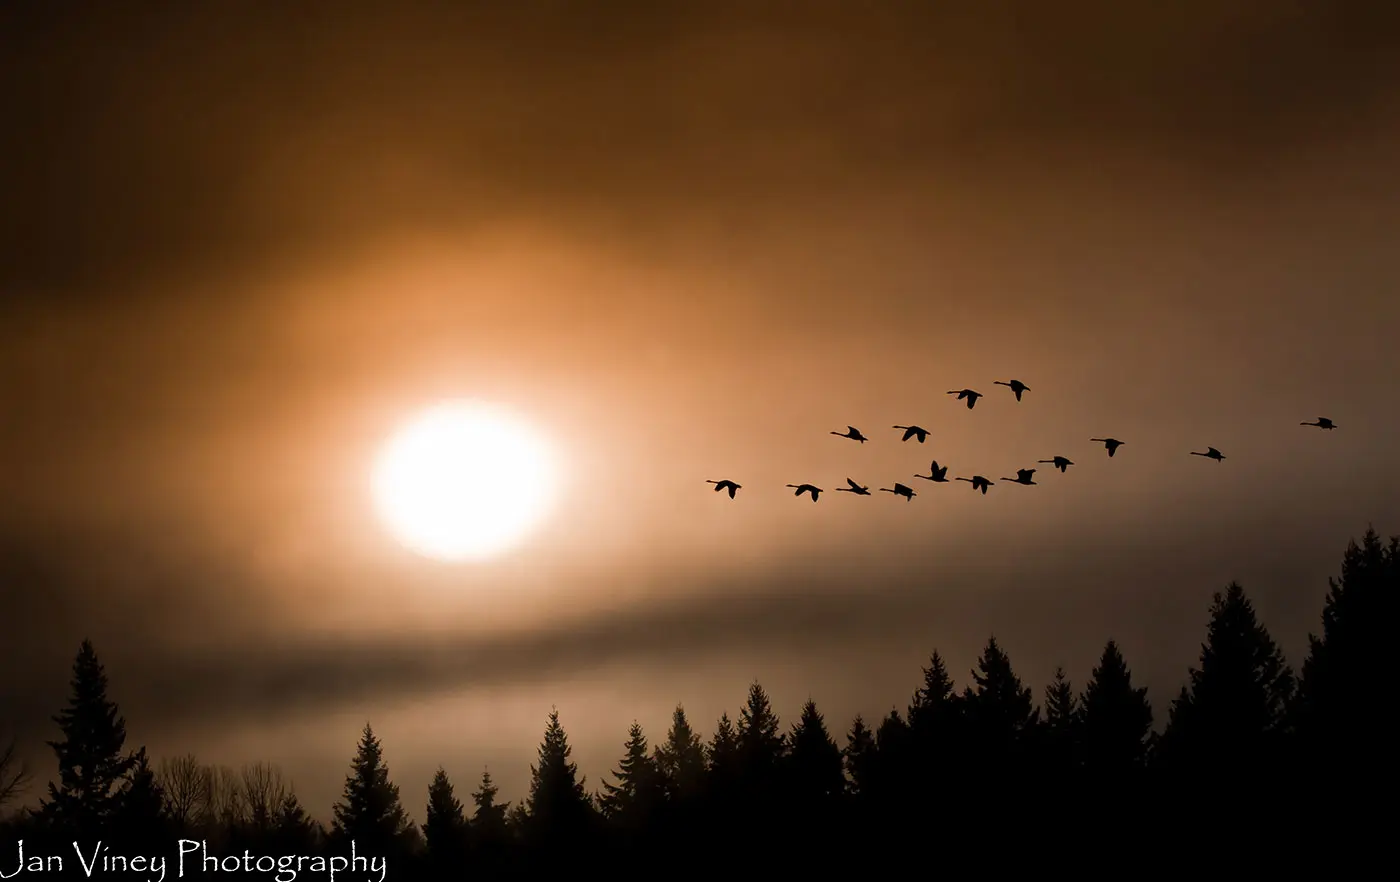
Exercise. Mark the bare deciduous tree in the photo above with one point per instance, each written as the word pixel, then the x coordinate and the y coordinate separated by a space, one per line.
pixel 186 786
pixel 14 774
pixel 225 804
pixel 263 790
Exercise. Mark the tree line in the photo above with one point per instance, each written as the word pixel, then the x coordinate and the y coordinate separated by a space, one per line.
pixel 1247 740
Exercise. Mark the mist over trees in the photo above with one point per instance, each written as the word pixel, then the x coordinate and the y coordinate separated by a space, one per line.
pixel 1249 743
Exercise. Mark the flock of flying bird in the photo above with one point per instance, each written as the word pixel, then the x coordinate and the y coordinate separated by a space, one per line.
pixel 939 474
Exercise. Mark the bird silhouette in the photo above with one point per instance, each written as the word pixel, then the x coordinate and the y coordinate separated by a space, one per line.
pixel 969 395
pixel 1059 462
pixel 1322 423
pixel 1016 386
pixel 853 433
pixel 935 474
pixel 854 488
pixel 807 488
pixel 978 483
pixel 914 432
pixel 1211 452
pixel 901 490
pixel 1111 443
pixel 726 485
pixel 1023 476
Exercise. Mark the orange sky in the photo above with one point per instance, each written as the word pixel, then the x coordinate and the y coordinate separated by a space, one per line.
pixel 239 247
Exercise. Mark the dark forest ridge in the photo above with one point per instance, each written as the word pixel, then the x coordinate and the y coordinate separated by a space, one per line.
pixel 1244 728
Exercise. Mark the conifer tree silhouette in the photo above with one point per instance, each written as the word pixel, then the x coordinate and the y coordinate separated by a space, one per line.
pixel 1063 741
pixel 640 790
pixel 815 761
pixel 858 756
pixel 141 819
pixel 814 783
pixel 723 750
pixel 1001 713
pixel 761 748
pixel 761 742
pixel 933 701
pixel 558 808
pixel 934 773
pixel 681 759
pixel 444 827
pixel 1117 719
pixel 1227 725
pixel 369 811
pixel 489 816
pixel 890 784
pixel 91 765
pixel 723 782
pixel 490 828
pixel 294 831
pixel 1341 724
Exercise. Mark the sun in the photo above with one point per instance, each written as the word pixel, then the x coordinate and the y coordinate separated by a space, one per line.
pixel 463 481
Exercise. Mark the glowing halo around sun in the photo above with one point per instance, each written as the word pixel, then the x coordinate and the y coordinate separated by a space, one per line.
pixel 464 481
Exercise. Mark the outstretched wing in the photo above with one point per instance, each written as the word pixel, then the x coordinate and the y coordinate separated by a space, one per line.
pixel 854 485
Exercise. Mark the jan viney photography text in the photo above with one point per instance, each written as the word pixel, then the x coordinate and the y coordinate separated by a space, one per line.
pixel 189 858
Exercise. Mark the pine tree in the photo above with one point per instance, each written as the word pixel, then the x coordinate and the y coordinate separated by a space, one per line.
pixel 815 761
pixel 761 742
pixel 91 765
pixel 858 755
pixel 369 811
pixel 444 824
pixel 1061 705
pixel 934 731
pixel 640 790
pixel 489 818
pixel 1343 725
pixel 1117 718
pixel 890 782
pixel 723 749
pixel 293 831
pixel 490 825
pixel 1063 724
pixel 681 760
pixel 934 701
pixel 558 806
pixel 1001 712
pixel 1229 722
pixel 141 812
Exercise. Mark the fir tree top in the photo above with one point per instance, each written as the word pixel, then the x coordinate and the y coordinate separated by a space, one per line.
pixel 370 811
pixel 91 765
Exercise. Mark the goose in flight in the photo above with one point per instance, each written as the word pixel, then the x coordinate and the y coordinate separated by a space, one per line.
pixel 1322 423
pixel 854 488
pixel 935 474
pixel 853 433
pixel 1112 444
pixel 978 483
pixel 969 395
pixel 807 488
pixel 1023 476
pixel 914 432
pixel 1210 452
pixel 1015 385
pixel 1059 462
pixel 901 490
pixel 727 485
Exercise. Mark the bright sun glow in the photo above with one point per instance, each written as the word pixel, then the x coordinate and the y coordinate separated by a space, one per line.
pixel 464 481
